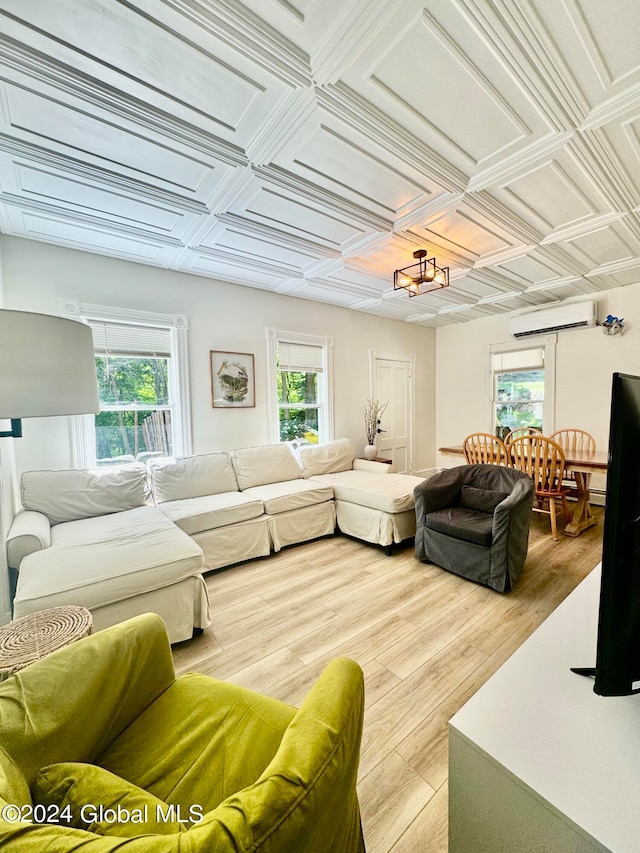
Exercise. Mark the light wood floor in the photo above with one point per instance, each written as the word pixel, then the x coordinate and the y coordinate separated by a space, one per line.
pixel 426 640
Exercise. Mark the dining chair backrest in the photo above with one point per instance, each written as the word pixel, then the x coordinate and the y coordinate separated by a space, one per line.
pixel 572 440
pixel 483 448
pixel 542 459
pixel 518 431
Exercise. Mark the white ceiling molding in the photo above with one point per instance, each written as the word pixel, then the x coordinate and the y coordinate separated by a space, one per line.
pixel 308 147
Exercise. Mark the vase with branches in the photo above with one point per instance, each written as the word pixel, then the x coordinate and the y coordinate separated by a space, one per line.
pixel 373 411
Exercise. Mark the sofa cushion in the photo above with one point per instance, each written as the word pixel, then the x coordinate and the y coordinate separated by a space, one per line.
pixel 257 466
pixel 482 500
pixel 87 793
pixel 194 515
pixel 328 458
pixel 191 477
pixel 71 495
pixel 97 561
pixel 462 523
pixel 292 494
pixel 385 492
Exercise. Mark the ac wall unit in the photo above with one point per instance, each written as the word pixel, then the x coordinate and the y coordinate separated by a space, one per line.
pixel 571 315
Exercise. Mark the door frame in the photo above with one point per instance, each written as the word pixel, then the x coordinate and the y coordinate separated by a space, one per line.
pixel 405 358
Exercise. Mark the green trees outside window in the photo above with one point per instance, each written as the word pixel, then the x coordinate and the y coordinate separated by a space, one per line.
pixel 298 405
pixel 135 416
pixel 519 399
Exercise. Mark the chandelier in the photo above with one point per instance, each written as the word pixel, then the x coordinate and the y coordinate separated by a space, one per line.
pixel 422 277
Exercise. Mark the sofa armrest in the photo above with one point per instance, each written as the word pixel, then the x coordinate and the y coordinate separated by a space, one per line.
pixel 522 494
pixel 70 705
pixel 305 799
pixel 29 532
pixel 373 467
pixel 512 514
pixel 437 492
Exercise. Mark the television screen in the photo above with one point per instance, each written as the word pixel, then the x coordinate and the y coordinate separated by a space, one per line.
pixel 617 671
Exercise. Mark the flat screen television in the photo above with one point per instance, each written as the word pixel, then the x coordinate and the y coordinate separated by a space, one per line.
pixel 617 669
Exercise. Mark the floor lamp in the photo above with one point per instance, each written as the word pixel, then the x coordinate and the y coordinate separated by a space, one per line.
pixel 47 368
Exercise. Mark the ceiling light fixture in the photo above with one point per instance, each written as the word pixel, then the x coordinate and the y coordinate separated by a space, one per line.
pixel 422 277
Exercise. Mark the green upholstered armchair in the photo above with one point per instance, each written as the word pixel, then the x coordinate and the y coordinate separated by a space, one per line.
pixel 101 737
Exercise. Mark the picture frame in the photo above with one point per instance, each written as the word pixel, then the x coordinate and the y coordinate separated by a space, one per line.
pixel 232 380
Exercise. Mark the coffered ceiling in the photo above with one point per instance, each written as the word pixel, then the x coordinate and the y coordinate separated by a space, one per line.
pixel 308 147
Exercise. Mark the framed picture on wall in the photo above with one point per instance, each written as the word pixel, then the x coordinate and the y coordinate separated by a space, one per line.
pixel 232 380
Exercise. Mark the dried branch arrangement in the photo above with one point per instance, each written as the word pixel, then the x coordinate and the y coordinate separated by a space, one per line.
pixel 373 411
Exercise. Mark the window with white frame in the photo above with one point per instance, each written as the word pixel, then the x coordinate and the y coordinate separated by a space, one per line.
pixel 522 386
pixel 300 387
pixel 141 372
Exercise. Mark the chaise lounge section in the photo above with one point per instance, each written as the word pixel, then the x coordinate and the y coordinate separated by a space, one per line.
pixel 373 502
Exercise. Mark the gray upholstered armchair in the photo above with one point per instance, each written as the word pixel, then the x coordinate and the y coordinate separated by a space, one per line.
pixel 474 520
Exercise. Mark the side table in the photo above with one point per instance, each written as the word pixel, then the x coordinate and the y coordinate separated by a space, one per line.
pixel 34 636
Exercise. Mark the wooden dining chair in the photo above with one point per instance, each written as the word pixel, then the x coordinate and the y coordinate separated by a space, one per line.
pixel 543 460
pixel 517 432
pixel 484 448
pixel 573 440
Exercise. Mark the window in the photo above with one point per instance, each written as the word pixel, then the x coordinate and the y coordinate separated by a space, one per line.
pixel 522 388
pixel 136 411
pixel 141 386
pixel 299 388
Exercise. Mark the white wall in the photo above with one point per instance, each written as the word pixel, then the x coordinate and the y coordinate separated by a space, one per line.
pixel 585 360
pixel 225 317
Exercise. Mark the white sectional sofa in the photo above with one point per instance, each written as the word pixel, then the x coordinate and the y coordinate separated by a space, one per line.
pixel 127 539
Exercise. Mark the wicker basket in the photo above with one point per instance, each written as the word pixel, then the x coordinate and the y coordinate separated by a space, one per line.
pixel 34 636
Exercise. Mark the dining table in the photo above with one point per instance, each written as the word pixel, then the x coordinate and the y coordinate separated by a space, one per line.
pixel 583 464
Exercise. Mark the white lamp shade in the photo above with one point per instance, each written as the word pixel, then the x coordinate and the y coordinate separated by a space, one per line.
pixel 47 366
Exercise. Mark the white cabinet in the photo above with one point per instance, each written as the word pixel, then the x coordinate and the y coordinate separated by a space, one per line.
pixel 538 762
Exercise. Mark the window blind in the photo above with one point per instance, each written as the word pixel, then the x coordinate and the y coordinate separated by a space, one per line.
pixel 529 359
pixel 299 358
pixel 125 339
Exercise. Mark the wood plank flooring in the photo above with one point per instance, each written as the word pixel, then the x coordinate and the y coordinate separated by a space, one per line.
pixel 426 640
